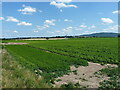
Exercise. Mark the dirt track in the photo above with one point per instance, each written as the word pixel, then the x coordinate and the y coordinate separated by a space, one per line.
pixel 12 43
pixel 45 39
pixel 85 75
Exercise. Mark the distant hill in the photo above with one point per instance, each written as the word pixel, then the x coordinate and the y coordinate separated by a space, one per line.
pixel 102 34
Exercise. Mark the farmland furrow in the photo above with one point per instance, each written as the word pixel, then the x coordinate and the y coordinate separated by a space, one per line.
pixel 51 51
pixel 86 56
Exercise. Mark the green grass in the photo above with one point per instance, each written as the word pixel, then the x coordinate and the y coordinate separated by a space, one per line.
pixel 45 61
pixel 49 63
pixel 54 57
pixel 16 76
pixel 72 86
pixel 98 50
pixel 114 78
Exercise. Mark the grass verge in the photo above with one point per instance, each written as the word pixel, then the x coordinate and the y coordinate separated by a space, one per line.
pixel 16 76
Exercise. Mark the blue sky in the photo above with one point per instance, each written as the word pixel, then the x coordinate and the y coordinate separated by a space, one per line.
pixel 55 18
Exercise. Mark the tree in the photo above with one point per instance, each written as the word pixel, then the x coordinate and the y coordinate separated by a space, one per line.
pixel 47 38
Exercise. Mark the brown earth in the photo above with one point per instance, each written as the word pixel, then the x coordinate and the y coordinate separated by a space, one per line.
pixel 11 43
pixel 45 39
pixel 85 75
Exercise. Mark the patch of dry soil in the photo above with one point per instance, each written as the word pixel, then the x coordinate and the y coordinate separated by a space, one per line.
pixel 45 39
pixel 85 75
pixel 12 43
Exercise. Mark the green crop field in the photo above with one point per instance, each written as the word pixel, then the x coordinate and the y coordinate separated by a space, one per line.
pixel 100 50
pixel 54 57
pixel 60 44
pixel 48 62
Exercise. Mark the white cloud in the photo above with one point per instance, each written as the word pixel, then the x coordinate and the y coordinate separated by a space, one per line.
pixel 68 30
pixel 35 31
pixel 106 20
pixel 24 24
pixel 83 26
pixel 61 10
pixel 27 10
pixel 50 32
pixel 12 19
pixel 62 5
pixel 70 27
pixel 88 32
pixel 1 18
pixel 67 20
pixel 15 31
pixel 78 28
pixel 91 27
pixel 42 27
pixel 49 22
pixel 40 11
pixel 46 26
pixel 111 28
pixel 64 1
pixel 58 31
pixel 116 12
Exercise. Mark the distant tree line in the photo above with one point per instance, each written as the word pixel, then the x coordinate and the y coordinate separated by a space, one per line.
pixel 47 38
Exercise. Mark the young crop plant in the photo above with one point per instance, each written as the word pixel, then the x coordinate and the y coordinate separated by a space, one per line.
pixel 113 82
pixel 98 50
pixel 51 65
pixel 54 57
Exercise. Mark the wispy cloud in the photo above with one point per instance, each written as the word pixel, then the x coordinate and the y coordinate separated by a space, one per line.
pixel 106 20
pixel 68 30
pixel 12 19
pixel 42 27
pixel 27 10
pixel 82 26
pixel 24 24
pixel 61 10
pixel 50 32
pixel 49 22
pixel 62 4
pixel 36 31
pixel 67 20
pixel 92 27
pixel 111 28
pixel 15 31
pixel 64 1
pixel 1 18
pixel 116 12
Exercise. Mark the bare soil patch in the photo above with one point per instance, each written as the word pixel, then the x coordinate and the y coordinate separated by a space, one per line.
pixel 45 39
pixel 11 43
pixel 84 75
